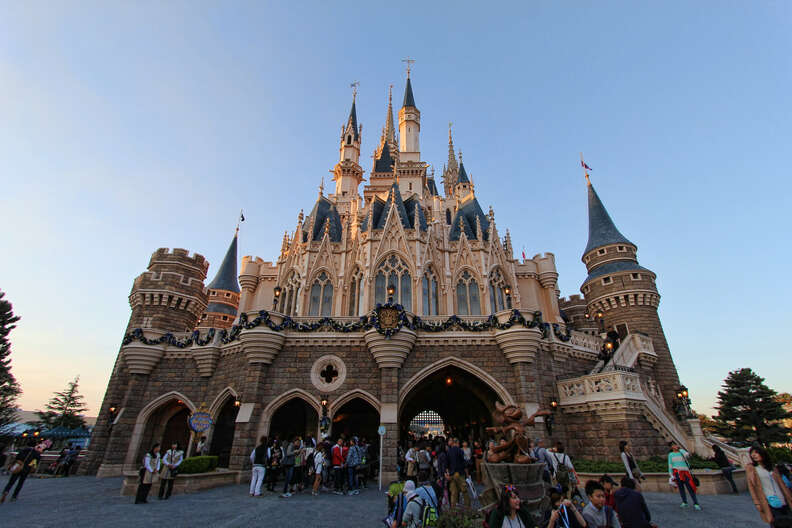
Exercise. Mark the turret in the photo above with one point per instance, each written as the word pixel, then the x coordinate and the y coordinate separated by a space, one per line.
pixel 223 292
pixel 409 126
pixel 169 296
pixel 450 171
pixel 622 295
pixel 347 173
pixel 463 186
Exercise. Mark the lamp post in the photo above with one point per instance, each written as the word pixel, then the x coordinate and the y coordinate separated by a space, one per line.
pixel 549 420
pixel 391 292
pixel 682 402
pixel 507 291
pixel 112 413
pixel 276 292
pixel 324 422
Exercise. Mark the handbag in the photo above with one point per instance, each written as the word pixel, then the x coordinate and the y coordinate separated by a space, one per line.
pixel 18 465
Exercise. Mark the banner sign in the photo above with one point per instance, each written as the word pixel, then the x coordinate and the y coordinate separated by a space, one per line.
pixel 200 421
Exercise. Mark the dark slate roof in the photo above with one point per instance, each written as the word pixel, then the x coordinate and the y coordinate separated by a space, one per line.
pixel 602 231
pixel 216 307
pixel 410 204
pixel 385 162
pixel 409 100
pixel 430 183
pixel 353 119
pixel 468 213
pixel 322 211
pixel 393 197
pixel 226 278
pixel 463 177
pixel 615 267
pixel 377 205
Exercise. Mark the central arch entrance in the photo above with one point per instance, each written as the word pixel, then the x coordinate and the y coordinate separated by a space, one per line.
pixel 294 418
pixel 461 400
pixel 223 435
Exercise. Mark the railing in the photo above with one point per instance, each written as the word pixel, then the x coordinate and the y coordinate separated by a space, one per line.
pixel 632 347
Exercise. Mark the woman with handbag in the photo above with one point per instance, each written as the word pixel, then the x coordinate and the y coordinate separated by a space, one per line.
pixel 25 462
pixel 149 474
pixel 679 470
pixel 770 496
pixel 412 463
pixel 170 468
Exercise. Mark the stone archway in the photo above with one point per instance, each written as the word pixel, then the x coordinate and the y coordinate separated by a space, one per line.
pixel 223 431
pixel 163 420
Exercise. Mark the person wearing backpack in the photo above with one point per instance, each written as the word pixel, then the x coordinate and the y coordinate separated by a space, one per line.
pixel 596 513
pixel 431 506
pixel 424 464
pixel 414 509
pixel 564 470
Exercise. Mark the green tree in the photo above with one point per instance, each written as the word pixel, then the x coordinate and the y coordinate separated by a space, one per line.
pixel 707 423
pixel 749 410
pixel 9 387
pixel 65 408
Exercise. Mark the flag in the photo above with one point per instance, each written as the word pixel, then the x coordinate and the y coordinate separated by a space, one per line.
pixel 523 252
pixel 241 216
pixel 583 164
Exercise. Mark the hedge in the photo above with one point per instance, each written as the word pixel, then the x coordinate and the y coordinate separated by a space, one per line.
pixel 198 464
pixel 781 454
pixel 655 464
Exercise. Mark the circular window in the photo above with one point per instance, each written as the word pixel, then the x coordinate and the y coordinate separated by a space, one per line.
pixel 328 373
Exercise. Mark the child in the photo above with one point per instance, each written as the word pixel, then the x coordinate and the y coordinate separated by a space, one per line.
pixel 596 513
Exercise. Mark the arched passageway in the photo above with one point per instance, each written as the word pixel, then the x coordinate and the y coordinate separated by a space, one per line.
pixel 294 418
pixel 166 425
pixel 358 418
pixel 223 434
pixel 463 402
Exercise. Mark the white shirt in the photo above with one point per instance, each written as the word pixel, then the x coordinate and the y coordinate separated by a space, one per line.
pixel 150 467
pixel 318 461
pixel 512 523
pixel 769 485
pixel 173 457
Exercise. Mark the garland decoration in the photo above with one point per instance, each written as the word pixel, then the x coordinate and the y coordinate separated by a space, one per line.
pixel 386 318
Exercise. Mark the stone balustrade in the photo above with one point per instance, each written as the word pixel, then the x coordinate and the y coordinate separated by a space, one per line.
pixel 608 385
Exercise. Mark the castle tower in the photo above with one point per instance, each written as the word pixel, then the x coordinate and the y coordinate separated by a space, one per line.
pixel 223 292
pixel 347 173
pixel 450 171
pixel 169 296
pixel 385 157
pixel 463 186
pixel 623 292
pixel 410 171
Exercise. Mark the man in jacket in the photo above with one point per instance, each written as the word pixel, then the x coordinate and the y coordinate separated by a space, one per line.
pixel 456 474
pixel 29 457
pixel 631 506
pixel 338 460
pixel 353 460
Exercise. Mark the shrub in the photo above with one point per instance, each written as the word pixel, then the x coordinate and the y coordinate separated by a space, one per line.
pixel 198 464
pixel 655 464
pixel 459 518
pixel 781 454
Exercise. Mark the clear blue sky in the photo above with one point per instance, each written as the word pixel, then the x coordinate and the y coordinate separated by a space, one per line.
pixel 129 126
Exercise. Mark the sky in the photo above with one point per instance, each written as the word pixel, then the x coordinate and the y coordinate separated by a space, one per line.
pixel 129 126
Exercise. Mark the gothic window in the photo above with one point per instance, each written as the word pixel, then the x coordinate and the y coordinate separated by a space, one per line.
pixel 321 296
pixel 448 216
pixel 467 295
pixel 499 301
pixel 356 293
pixel 393 272
pixel 291 291
pixel 429 283
pixel 349 140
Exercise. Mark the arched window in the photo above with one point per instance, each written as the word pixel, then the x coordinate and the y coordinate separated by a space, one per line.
pixel 321 296
pixel 467 295
pixel 393 272
pixel 448 216
pixel 499 301
pixel 291 291
pixel 356 293
pixel 429 283
pixel 349 140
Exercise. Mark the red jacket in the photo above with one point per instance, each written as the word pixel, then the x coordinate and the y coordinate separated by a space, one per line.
pixel 338 455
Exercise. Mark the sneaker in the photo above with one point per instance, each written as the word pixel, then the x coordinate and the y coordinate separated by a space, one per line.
pixel 286 495
pixel 683 505
pixel 3 498
pixel 697 507
pixel 313 493
pixel 338 492
pixel 356 492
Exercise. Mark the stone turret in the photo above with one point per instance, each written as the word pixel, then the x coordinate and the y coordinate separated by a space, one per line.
pixel 622 294
pixel 170 296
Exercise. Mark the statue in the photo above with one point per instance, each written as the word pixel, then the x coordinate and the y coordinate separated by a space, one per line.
pixel 515 446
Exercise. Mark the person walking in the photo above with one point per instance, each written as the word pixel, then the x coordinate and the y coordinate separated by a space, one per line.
pixel 424 460
pixel 170 468
pixel 258 457
pixel 338 461
pixel 25 461
pixel 353 461
pixel 288 465
pixel 542 455
pixel 149 474
pixel 274 458
pixel 510 512
pixel 679 470
pixel 564 470
pixel 318 468
pixel 725 466
pixel 630 464
pixel 597 513
pixel 770 496
pixel 631 506
pixel 456 474
pixel 412 463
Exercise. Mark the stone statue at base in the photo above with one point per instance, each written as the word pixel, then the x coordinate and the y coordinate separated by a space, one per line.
pixel 511 424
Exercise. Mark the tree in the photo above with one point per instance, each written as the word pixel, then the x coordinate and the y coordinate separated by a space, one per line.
pixel 707 423
pixel 749 410
pixel 9 387
pixel 64 409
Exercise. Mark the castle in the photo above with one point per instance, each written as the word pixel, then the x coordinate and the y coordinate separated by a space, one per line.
pixel 386 306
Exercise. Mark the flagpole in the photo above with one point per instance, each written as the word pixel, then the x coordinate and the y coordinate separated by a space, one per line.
pixel 583 166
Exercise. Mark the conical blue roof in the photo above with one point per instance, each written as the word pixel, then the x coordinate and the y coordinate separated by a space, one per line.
pixel 468 213
pixel 602 231
pixel 353 119
pixel 430 183
pixel 324 210
pixel 226 278
pixel 463 177
pixel 394 197
pixel 409 100
pixel 385 162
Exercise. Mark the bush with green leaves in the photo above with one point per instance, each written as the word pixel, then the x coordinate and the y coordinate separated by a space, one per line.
pixel 460 518
pixel 198 464
pixel 781 454
pixel 655 464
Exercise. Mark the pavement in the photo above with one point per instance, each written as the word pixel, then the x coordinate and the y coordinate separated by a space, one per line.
pixel 88 502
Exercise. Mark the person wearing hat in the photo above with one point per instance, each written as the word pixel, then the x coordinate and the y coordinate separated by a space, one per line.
pixel 414 509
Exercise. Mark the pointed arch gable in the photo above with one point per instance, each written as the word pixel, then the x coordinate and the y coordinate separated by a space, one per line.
pixel 351 395
pixel 220 400
pixel 142 419
pixel 452 361
pixel 272 407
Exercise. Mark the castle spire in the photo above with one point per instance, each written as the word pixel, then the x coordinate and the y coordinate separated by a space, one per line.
pixel 390 129
pixel 452 161
pixel 602 230
pixel 226 278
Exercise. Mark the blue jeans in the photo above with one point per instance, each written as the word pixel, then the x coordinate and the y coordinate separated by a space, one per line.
pixel 353 478
pixel 289 473
pixel 682 484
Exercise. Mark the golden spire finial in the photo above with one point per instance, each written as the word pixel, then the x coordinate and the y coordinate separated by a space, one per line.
pixel 321 188
pixel 354 86
pixel 409 62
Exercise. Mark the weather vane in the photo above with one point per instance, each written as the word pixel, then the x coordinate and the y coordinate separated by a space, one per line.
pixel 354 86
pixel 409 62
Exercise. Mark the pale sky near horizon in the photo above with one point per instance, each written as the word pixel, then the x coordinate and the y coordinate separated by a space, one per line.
pixel 128 126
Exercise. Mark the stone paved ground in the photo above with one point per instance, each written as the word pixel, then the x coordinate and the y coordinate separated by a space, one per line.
pixel 88 502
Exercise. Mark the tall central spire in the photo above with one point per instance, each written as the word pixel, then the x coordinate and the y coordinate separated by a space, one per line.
pixel 602 230
pixel 390 129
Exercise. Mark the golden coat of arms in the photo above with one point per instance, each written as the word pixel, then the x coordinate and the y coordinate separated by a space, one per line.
pixel 388 317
